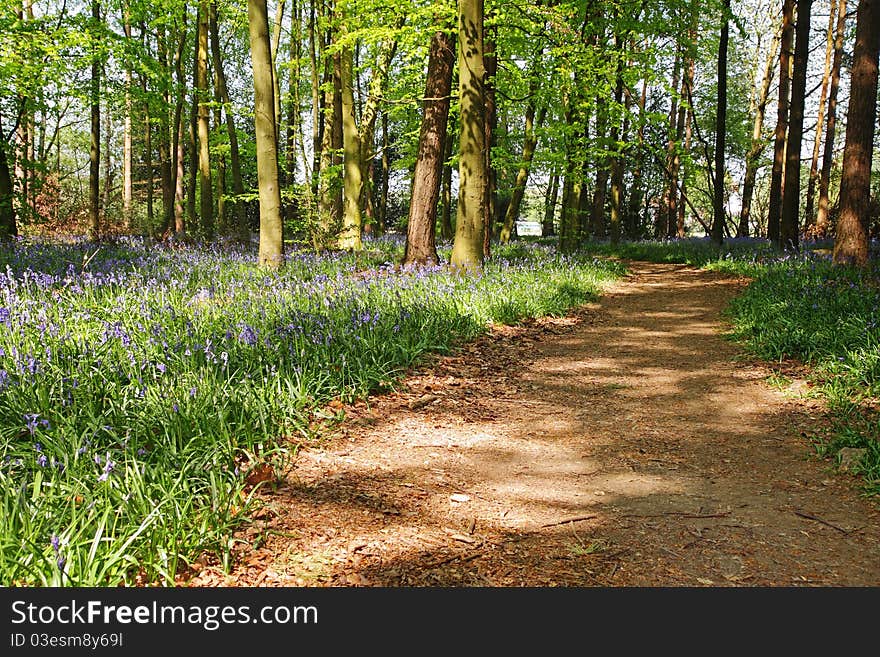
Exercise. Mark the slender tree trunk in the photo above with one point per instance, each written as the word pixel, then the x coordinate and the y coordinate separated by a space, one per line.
pixel 758 143
pixel 220 159
pixel 789 226
pixel 719 214
pixel 809 218
pixel 530 141
pixel 421 227
pixel 293 102
pixel 851 242
pixel 774 210
pixel 490 118
pixel 177 136
pixel 382 214
pixel 108 171
pixel 271 227
pixel 473 175
pixel 275 45
pixel 317 110
pixel 822 219
pixel 126 128
pixel 547 228
pixel 240 228
pixel 446 229
pixel 616 158
pixel 637 193
pixel 165 157
pixel 95 142
pixel 8 224
pixel 206 197
pixel 148 160
pixel 675 170
pixel 671 146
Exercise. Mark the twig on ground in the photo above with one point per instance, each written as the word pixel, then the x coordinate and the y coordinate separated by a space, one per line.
pixel 820 520
pixel 458 557
pixel 566 521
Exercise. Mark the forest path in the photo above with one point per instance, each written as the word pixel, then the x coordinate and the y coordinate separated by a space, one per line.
pixel 627 444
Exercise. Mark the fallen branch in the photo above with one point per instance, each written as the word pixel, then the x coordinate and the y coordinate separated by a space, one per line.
pixel 567 520
pixel 820 520
pixel 455 557
pixel 678 513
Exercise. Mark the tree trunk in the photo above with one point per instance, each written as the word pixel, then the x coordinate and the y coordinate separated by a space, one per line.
pixel 352 181
pixel 126 128
pixel 719 215
pixel 547 228
pixel 271 228
pixel 206 197
pixel 789 226
pixel 473 176
pixel 616 158
pixel 95 140
pixel 822 220
pixel 490 118
pixel 637 192
pixel 294 124
pixel 177 171
pixel 240 228
pixel 851 242
pixel 758 142
pixel 421 227
pixel 8 225
pixel 661 229
pixel 530 141
pixel 446 229
pixel 809 218
pixel 165 157
pixel 597 214
pixel 108 170
pixel 385 172
pixel 774 209
pixel 275 43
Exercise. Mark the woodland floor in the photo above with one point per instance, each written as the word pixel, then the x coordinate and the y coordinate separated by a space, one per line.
pixel 628 444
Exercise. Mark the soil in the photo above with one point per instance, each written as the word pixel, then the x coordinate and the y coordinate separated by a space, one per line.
pixel 627 444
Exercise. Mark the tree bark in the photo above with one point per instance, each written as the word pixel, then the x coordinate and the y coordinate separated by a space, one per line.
pixel 240 228
pixel 719 214
pixel 789 226
pixel 421 226
pixel 851 243
pixel 352 181
pixel 530 141
pixel 758 143
pixel 126 127
pixel 822 219
pixel 774 209
pixel 206 197
pixel 547 228
pixel 809 218
pixel 446 229
pixel 271 228
pixel 470 228
pixel 95 133
pixel 8 224
pixel 661 229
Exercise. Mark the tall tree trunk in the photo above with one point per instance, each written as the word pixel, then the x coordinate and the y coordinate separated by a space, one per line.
pixel 547 227
pixel 446 229
pixel 385 173
pixel 774 208
pixel 758 143
pixel 177 134
pixel 108 170
pixel 688 135
pixel 271 227
pixel 789 226
pixel 719 215
pixel 822 220
pixel 240 228
pixel 851 242
pixel 637 193
pixel 352 181
pixel 222 215
pixel 490 118
pixel 95 141
pixel 317 109
pixel 616 158
pixel 275 44
pixel 8 224
pixel 421 227
pixel 530 141
pixel 165 156
pixel 675 170
pixel 473 175
pixel 206 197
pixel 294 124
pixel 126 127
pixel 148 158
pixel 671 189
pixel 809 218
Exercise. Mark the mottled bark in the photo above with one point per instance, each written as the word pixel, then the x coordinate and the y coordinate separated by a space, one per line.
pixel 774 208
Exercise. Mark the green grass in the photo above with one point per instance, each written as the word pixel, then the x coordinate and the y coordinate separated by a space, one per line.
pixel 139 386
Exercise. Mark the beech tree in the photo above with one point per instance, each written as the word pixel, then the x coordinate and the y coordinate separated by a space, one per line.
pixel 851 242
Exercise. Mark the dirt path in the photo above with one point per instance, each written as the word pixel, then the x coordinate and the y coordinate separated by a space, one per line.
pixel 624 445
